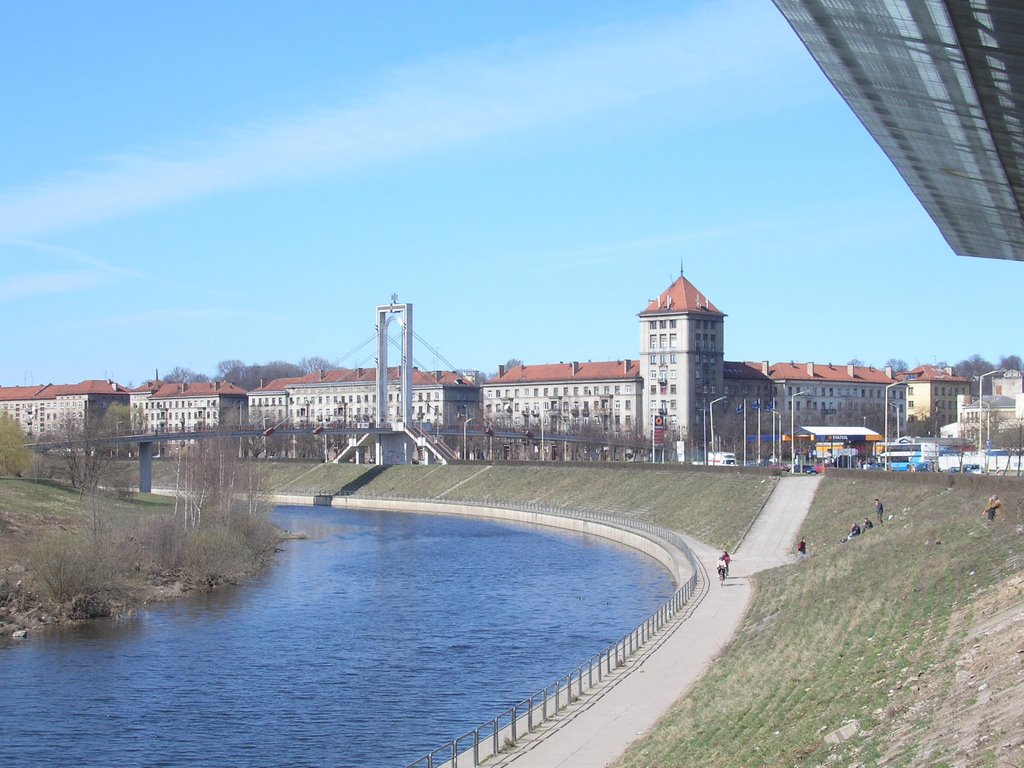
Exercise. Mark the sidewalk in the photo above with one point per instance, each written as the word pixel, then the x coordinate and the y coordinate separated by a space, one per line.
pixel 597 731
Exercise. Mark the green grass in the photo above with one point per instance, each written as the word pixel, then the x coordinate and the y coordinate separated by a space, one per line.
pixel 37 500
pixel 845 635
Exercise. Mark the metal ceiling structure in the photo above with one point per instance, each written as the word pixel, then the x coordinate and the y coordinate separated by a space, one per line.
pixel 939 84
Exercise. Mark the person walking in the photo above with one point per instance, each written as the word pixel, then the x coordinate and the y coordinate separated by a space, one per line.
pixel 879 509
pixel 801 548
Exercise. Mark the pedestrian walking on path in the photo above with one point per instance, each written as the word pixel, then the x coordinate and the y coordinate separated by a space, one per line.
pixel 599 733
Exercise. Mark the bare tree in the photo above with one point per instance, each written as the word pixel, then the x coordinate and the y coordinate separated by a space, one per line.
pixel 311 364
pixel 230 370
pixel 86 452
pixel 180 374
pixel 897 365
pixel 1011 363
pixel 973 366
pixel 212 483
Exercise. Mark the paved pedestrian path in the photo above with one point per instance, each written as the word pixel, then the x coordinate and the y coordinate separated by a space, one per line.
pixel 597 731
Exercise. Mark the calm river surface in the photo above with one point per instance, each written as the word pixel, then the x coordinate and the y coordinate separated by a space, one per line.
pixel 379 638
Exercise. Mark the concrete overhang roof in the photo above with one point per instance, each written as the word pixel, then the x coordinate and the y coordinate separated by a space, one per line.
pixel 939 84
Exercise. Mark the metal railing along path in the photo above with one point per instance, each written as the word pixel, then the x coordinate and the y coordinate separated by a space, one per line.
pixel 504 731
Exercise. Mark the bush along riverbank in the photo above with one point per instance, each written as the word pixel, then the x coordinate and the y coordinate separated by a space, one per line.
pixel 68 555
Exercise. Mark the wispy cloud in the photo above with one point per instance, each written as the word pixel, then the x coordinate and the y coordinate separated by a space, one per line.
pixel 46 284
pixel 178 317
pixel 440 103
pixel 34 284
pixel 674 243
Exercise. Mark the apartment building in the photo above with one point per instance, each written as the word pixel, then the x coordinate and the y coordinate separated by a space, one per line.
pixel 575 396
pixel 932 394
pixel 41 410
pixel 682 343
pixel 350 396
pixel 826 394
pixel 188 407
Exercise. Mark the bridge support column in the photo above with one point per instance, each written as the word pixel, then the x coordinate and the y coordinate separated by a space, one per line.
pixel 146 467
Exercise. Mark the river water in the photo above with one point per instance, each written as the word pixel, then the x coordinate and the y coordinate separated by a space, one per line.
pixel 380 637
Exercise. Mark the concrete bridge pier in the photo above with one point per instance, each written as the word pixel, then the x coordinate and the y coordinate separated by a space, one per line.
pixel 146 467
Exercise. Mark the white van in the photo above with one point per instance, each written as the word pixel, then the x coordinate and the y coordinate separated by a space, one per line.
pixel 721 459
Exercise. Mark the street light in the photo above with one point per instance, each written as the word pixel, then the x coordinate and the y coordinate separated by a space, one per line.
pixel 981 402
pixel 886 444
pixel 792 429
pixel 711 409
pixel 539 413
pixel 465 456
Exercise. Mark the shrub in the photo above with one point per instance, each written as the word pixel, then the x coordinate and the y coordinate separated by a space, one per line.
pixel 213 555
pixel 81 574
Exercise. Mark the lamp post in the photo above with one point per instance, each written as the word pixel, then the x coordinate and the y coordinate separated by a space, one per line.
pixel 539 413
pixel 886 443
pixel 792 429
pixel 981 402
pixel 465 456
pixel 711 409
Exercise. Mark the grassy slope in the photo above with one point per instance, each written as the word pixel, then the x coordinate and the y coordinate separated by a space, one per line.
pixel 859 631
pixel 30 509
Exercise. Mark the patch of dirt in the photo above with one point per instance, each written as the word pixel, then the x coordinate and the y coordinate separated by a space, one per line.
pixel 971 712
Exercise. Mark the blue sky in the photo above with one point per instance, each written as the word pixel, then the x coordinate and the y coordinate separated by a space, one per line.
pixel 192 182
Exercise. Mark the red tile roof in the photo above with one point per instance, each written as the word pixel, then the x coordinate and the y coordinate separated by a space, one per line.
pixel 365 376
pixel 820 372
pixel 681 296
pixel 87 387
pixel 931 373
pixel 19 393
pixel 149 386
pixel 612 369
pixel 199 389
pixel 51 391
pixel 742 370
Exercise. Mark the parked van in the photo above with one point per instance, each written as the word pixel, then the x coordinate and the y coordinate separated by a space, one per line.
pixel 721 459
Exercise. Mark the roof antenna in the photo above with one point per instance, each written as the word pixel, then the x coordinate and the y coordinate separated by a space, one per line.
pixel 680 266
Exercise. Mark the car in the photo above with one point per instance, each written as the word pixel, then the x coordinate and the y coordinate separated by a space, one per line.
pixel 808 469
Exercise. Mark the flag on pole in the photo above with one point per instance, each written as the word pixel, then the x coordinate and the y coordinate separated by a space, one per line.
pixel 756 405
pixel 739 409
pixel 770 406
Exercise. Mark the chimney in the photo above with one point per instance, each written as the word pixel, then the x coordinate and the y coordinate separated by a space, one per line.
pixel 765 368
pixel 849 370
pixel 948 369
pixel 625 367
pixel 501 371
pixel 810 369
pixel 575 368
pixel 888 371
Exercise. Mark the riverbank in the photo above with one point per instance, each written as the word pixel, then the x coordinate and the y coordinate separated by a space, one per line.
pixel 67 557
